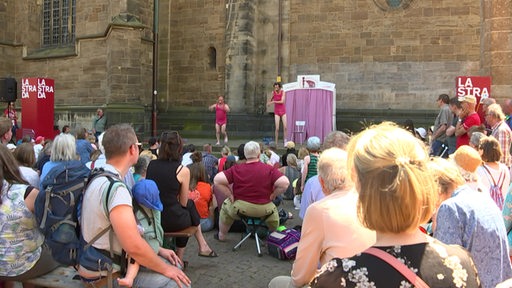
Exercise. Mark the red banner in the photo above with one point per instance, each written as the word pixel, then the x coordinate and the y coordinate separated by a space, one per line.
pixel 478 86
pixel 37 100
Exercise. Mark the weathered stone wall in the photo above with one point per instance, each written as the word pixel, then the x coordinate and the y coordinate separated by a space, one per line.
pixel 110 65
pixel 188 77
pixel 391 61
pixel 385 60
pixel 7 38
pixel 497 45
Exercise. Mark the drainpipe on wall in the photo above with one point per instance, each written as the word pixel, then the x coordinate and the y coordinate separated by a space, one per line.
pixel 279 40
pixel 155 69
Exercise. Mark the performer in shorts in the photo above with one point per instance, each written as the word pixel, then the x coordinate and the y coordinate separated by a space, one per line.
pixel 221 119
pixel 278 99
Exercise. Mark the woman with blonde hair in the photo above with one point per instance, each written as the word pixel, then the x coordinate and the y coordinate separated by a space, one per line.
pixel 224 152
pixel 396 195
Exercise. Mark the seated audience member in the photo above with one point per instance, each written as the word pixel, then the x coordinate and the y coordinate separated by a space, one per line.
pixel 421 134
pixel 396 195
pixel 492 172
pixel 92 139
pixel 44 156
pixel 224 153
pixel 140 168
pixel 291 171
pixel 38 147
pixel 200 191
pixel 101 160
pixel 154 144
pixel 230 162
pixel 273 158
pixel 264 153
pixel 474 140
pixel 468 160
pixel 63 150
pixel 219 195
pixel 331 228
pixel 312 189
pixel 5 131
pixel 22 253
pixel 409 126
pixel 187 152
pixel 24 154
pixel 309 165
pixel 173 181
pixel 146 194
pixel 255 185
pixel 240 153
pixel 290 149
pixel 122 152
pixel 83 146
pixel 210 162
pixel 471 219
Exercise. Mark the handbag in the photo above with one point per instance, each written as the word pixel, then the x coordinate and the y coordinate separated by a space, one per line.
pixel 399 266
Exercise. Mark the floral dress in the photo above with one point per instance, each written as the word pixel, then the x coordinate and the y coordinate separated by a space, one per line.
pixel 20 240
pixel 438 264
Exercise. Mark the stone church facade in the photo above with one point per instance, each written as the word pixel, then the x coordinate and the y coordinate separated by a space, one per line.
pixel 389 59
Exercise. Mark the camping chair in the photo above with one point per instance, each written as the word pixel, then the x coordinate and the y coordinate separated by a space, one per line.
pixel 254 226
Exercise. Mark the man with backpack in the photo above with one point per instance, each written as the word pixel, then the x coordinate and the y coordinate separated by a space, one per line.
pixel 107 205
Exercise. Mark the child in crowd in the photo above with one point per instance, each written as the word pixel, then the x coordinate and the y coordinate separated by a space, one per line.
pixel 146 194
pixel 200 191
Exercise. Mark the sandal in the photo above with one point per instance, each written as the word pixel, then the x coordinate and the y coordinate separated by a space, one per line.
pixel 210 254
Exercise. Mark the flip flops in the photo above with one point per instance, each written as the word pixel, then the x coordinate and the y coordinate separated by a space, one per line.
pixel 210 254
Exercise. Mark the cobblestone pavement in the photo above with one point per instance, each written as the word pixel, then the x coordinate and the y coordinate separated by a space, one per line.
pixel 240 268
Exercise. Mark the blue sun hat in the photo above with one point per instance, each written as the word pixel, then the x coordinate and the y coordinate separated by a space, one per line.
pixel 146 193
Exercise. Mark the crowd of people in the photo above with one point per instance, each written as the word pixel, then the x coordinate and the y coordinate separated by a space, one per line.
pixel 383 207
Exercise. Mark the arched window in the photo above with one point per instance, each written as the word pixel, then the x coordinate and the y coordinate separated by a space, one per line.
pixel 58 23
pixel 212 58
pixel 389 5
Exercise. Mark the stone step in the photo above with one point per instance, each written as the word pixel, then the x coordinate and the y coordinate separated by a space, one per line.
pixel 200 124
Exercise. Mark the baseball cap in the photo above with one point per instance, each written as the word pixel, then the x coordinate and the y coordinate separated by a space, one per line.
pixel 146 193
pixel 468 98
pixel 39 139
pixel 421 131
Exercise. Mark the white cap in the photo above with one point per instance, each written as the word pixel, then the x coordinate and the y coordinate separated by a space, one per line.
pixel 421 131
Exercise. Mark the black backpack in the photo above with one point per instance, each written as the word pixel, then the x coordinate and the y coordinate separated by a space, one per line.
pixel 57 209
